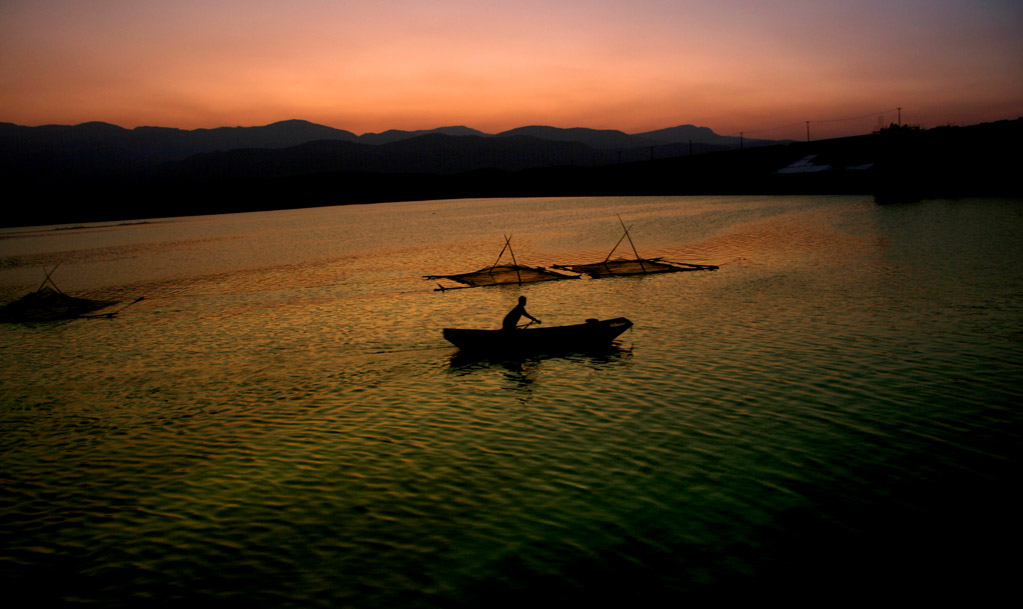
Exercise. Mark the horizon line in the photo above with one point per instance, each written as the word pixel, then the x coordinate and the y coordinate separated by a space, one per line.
pixel 736 134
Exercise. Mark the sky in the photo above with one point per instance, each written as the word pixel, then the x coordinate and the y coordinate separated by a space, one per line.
pixel 757 67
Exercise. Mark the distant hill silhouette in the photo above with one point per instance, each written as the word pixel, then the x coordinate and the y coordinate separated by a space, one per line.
pixel 116 146
pixel 97 171
pixel 395 135
pixel 607 139
pixel 703 135
pixel 161 143
pixel 600 139
pixel 50 154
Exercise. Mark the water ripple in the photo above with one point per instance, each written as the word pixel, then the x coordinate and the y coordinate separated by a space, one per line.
pixel 291 429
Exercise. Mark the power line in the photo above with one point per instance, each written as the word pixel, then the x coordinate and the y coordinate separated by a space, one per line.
pixel 807 123
pixel 855 118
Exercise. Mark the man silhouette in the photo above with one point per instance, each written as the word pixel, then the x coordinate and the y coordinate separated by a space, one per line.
pixel 512 318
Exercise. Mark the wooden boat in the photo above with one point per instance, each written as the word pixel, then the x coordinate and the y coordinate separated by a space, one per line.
pixel 593 334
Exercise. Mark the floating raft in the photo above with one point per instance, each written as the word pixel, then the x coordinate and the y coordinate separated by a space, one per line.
pixel 636 266
pixel 51 304
pixel 639 266
pixel 501 274
pixel 47 304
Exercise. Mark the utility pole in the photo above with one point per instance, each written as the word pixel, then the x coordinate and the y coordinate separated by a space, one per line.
pixel 900 116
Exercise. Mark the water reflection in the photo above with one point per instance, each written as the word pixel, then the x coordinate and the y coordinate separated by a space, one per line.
pixel 463 362
pixel 520 373
pixel 806 412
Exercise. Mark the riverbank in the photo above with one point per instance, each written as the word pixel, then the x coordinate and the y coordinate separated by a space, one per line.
pixel 896 164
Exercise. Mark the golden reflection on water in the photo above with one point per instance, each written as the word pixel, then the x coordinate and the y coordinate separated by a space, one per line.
pixel 281 421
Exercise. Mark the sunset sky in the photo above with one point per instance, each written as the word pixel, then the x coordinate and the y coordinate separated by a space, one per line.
pixel 757 66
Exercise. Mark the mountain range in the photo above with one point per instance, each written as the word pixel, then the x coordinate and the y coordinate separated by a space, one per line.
pixel 98 171
pixel 73 151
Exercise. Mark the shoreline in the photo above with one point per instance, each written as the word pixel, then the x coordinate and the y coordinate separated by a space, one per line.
pixel 894 165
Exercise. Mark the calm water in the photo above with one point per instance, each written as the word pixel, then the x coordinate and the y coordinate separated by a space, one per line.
pixel 279 423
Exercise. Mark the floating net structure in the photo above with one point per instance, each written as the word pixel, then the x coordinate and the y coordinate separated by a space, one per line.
pixel 636 266
pixel 49 303
pixel 501 274
pixel 516 274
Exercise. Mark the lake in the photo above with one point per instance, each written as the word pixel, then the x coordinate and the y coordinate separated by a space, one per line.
pixel 834 413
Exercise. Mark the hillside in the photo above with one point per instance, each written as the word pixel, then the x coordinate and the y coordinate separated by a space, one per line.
pixel 56 151
pixel 103 172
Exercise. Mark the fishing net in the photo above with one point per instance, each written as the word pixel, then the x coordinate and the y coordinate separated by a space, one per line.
pixel 639 266
pixel 47 304
pixel 504 274
pixel 635 266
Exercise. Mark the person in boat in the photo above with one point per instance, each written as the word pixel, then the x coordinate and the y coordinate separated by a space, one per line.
pixel 511 320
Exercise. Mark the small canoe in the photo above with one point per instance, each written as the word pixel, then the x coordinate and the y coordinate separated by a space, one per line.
pixel 593 334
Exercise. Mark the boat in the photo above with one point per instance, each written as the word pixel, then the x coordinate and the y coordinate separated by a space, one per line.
pixel 593 334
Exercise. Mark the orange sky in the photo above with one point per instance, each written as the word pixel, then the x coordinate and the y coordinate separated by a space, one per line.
pixel 758 66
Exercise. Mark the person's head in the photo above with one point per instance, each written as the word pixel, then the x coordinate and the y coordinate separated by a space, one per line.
pixel 522 300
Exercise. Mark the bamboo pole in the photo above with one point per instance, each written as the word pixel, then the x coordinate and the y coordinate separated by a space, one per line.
pixel 614 248
pixel 49 280
pixel 611 253
pixel 515 262
pixel 112 313
pixel 507 243
pixel 638 259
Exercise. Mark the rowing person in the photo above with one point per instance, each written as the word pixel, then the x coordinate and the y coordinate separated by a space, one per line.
pixel 511 320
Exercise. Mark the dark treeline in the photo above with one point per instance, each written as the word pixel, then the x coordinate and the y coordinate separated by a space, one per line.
pixel 895 164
